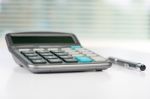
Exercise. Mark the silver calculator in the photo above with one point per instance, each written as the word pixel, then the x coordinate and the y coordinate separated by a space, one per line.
pixel 43 52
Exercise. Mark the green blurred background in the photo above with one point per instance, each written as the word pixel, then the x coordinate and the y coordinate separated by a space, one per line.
pixel 101 19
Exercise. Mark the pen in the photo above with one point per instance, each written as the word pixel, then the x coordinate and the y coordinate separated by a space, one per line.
pixel 127 63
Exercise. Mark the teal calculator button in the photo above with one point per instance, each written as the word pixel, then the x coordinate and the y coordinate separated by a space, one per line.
pixel 84 59
pixel 74 47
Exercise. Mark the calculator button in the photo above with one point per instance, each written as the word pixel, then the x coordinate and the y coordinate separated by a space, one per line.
pixel 38 49
pixel 66 57
pixel 84 59
pixel 24 49
pixel 87 52
pixel 42 51
pixel 74 53
pixel 70 60
pixel 62 54
pixel 82 50
pixel 66 49
pixel 98 58
pixel 50 57
pixel 40 61
pixel 55 60
pixel 45 54
pixel 53 49
pixel 35 57
pixel 58 51
pixel 31 54
pixel 75 47
pixel 27 52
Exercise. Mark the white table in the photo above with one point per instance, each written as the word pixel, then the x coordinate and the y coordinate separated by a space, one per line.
pixel 114 83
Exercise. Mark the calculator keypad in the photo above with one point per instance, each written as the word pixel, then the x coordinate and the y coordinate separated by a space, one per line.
pixel 73 54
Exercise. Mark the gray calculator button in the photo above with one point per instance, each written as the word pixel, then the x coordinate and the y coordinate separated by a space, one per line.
pixel 24 49
pixel 31 54
pixel 67 50
pixel 98 58
pixel 55 60
pixel 58 51
pixel 27 52
pixel 70 60
pixel 40 61
pixel 35 57
pixel 62 54
pixel 66 57
pixel 74 53
pixel 87 52
pixel 38 49
pixel 52 49
pixel 50 57
pixel 42 51
pixel 46 54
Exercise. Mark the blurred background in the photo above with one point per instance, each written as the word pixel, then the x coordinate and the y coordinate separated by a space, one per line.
pixel 104 21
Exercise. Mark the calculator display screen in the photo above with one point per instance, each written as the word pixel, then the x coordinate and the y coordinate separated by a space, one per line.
pixel 42 39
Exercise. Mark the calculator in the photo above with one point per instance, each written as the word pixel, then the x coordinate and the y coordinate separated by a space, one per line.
pixel 43 52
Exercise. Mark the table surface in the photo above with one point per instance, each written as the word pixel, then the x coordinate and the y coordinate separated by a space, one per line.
pixel 114 83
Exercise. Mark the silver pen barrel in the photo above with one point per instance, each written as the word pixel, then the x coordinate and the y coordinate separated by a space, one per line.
pixel 127 63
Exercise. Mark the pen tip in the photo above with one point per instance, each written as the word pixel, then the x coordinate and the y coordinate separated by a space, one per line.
pixel 142 67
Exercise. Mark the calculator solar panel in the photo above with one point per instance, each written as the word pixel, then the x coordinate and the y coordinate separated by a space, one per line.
pixel 42 52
